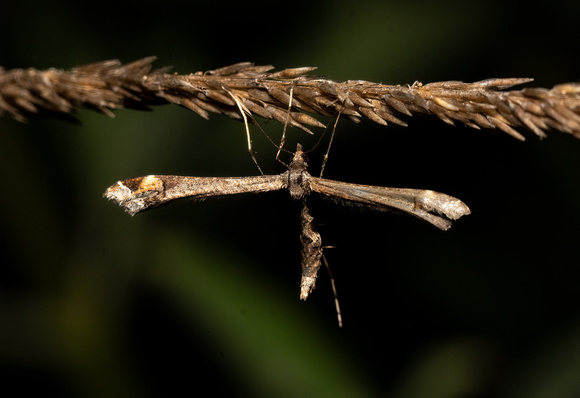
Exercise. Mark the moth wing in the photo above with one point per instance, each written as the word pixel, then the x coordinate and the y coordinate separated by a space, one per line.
pixel 434 207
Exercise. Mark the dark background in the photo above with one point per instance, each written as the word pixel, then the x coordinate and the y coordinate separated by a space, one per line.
pixel 203 297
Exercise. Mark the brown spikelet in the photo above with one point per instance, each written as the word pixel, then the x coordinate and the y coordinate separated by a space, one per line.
pixel 254 90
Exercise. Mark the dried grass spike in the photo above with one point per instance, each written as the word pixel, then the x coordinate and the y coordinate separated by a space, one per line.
pixel 292 72
pixel 109 85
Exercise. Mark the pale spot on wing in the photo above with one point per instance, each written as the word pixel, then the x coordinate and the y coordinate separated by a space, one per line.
pixel 448 205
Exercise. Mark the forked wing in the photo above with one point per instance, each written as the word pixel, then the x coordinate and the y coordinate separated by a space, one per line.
pixel 142 193
pixel 437 208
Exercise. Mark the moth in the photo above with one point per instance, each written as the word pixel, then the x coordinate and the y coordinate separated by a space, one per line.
pixel 136 195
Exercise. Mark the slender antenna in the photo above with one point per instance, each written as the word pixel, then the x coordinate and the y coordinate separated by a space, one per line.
pixel 283 139
pixel 329 145
pixel 243 110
